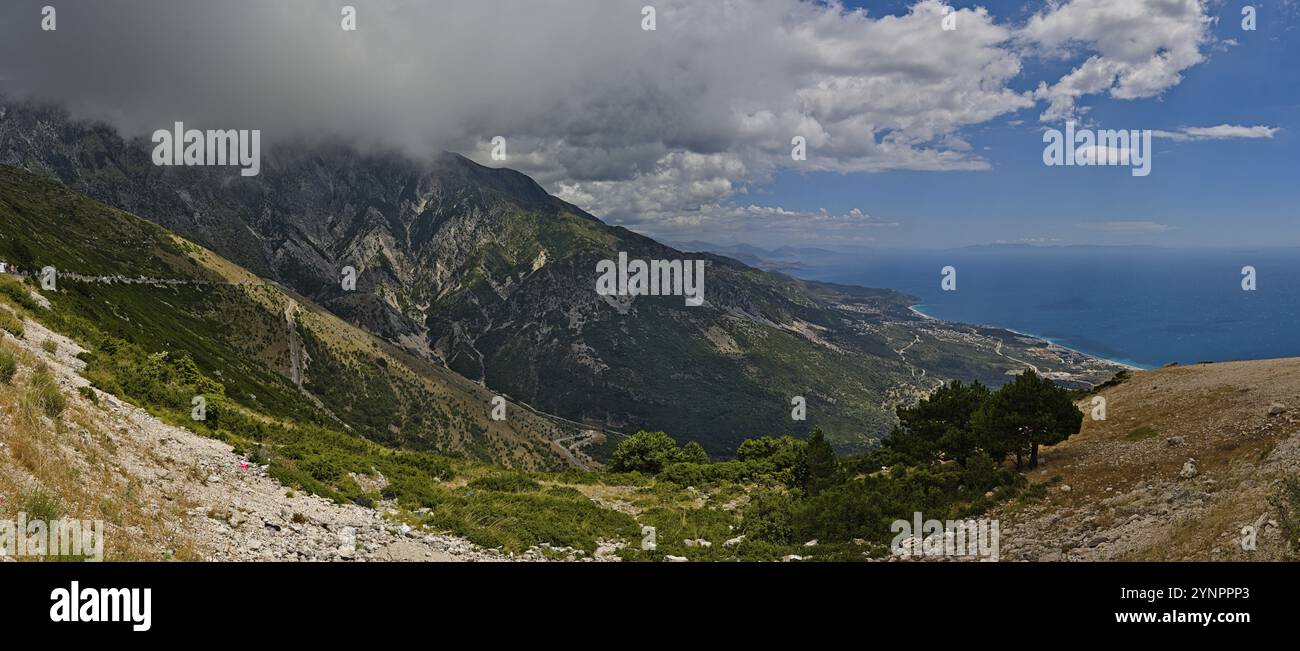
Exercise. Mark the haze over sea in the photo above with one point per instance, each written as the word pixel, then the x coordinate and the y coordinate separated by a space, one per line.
pixel 1143 306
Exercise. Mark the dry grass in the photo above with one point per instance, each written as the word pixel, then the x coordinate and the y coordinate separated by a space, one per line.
pixel 63 462
pixel 1220 414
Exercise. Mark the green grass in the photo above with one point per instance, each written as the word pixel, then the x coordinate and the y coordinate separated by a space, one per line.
pixel 42 505
pixel 10 323
pixel 8 365
pixel 1141 434
pixel 515 522
pixel 43 392
pixel 505 483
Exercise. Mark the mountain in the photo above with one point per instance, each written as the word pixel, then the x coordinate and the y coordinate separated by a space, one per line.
pixel 254 346
pixel 481 271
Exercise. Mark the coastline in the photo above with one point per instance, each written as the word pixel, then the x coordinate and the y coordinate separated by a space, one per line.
pixel 1131 365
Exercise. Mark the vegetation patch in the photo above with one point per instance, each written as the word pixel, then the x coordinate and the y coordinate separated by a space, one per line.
pixel 1142 433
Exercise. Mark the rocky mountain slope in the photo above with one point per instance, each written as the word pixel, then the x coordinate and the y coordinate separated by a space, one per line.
pixel 1187 457
pixel 168 493
pixel 480 270
pixel 247 346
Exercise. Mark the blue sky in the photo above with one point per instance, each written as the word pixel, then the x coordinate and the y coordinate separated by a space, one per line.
pixel 1231 193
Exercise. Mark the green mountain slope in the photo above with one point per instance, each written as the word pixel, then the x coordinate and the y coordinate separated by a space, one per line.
pixel 260 349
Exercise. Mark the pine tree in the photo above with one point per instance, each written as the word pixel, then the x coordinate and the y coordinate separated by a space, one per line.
pixel 823 466
pixel 1028 412
pixel 939 426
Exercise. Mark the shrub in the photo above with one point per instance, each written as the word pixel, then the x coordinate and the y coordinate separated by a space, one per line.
pixel 565 491
pixel 506 483
pixel 517 521
pixel 323 468
pixel 41 504
pixel 703 474
pixel 694 453
pixel 45 394
pixel 785 458
pixel 768 518
pixel 11 323
pixel 8 365
pixel 1142 433
pixel 18 293
pixel 50 346
pixel 646 452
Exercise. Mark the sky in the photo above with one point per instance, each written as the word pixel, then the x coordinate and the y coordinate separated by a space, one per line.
pixel 916 136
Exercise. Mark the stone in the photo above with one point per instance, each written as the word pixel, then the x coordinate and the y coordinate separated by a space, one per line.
pixel 1189 469
pixel 1276 409
pixel 1174 441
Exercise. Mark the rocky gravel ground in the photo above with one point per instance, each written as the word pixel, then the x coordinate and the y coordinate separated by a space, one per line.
pixel 1187 458
pixel 230 509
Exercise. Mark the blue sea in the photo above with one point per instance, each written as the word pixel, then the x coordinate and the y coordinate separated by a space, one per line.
pixel 1141 306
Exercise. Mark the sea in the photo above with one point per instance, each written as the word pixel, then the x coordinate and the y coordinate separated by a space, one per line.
pixel 1141 306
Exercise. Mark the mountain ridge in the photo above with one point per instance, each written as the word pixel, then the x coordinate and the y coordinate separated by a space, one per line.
pixel 480 270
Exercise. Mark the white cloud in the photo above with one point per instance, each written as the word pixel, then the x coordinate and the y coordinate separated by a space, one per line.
pixel 1103 155
pixel 629 121
pixel 1220 132
pixel 769 224
pixel 1135 48
pixel 641 128
pixel 1129 227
